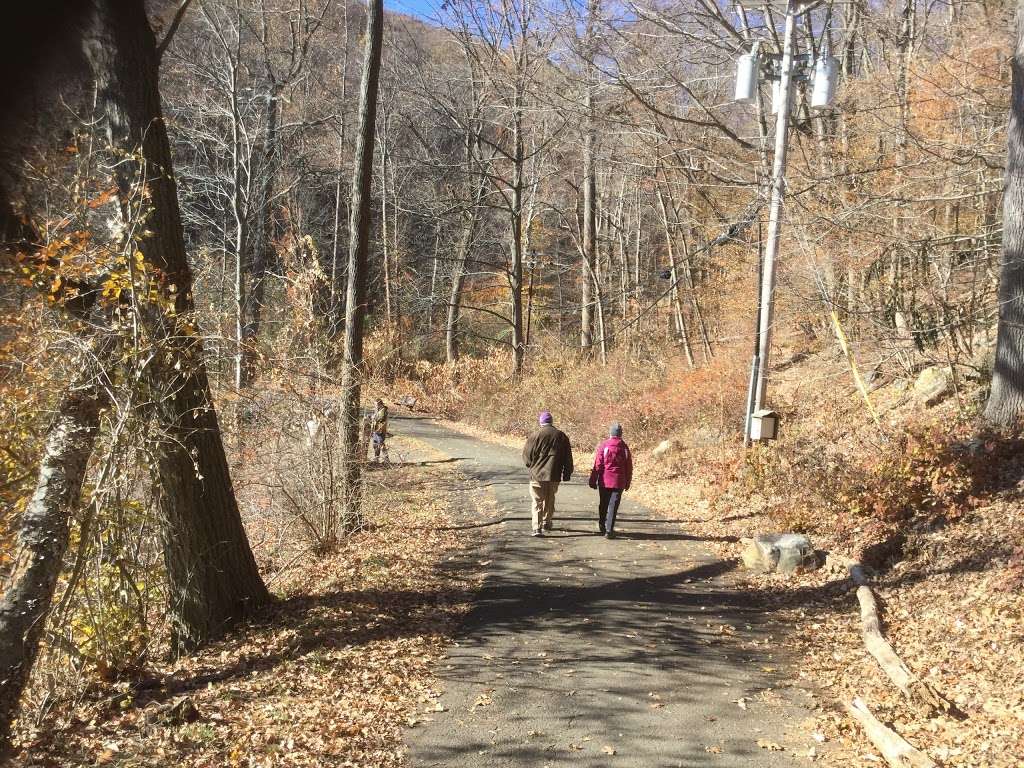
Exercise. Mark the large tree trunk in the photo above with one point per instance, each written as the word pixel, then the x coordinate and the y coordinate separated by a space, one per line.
pixel 1006 401
pixel 212 575
pixel 358 252
pixel 43 539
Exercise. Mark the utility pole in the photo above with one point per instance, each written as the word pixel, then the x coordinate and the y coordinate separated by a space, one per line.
pixel 769 268
pixel 790 69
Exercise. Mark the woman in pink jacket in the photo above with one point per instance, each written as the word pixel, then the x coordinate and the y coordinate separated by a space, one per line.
pixel 611 475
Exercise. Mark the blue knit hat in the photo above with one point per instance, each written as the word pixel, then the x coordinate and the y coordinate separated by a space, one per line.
pixel 545 417
pixel 615 430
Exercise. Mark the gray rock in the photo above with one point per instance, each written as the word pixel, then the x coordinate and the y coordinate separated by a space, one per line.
pixel 785 553
pixel 933 384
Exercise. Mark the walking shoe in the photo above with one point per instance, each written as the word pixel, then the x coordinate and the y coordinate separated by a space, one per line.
pixel 610 535
pixel 548 526
pixel 601 531
pixel 537 532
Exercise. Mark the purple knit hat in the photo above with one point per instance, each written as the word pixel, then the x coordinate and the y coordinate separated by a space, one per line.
pixel 545 417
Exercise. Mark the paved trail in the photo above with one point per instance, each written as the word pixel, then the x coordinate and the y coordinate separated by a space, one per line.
pixel 577 643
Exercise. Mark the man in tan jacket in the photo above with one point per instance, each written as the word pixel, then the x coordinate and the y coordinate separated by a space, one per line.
pixel 548 456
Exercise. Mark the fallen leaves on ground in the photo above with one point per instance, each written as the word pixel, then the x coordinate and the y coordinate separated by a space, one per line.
pixel 329 675
pixel 946 611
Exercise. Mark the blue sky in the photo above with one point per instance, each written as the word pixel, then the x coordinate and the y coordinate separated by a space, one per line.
pixel 422 8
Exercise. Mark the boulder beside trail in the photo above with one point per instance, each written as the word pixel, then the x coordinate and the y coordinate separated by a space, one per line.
pixel 785 553
pixel 933 384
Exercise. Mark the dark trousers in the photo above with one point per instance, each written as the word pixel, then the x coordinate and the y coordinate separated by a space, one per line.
pixel 608 506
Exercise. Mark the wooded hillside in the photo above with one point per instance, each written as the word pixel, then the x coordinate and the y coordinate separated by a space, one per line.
pixel 522 204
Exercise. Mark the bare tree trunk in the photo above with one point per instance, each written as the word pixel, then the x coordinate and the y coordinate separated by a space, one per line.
pixel 637 329
pixel 433 276
pixel 904 48
pixel 589 224
pixel 455 296
pixel 1006 401
pixel 620 244
pixel 358 257
pixel 589 237
pixel 698 314
pixel 396 257
pixel 688 281
pixel 516 222
pixel 336 312
pixel 384 242
pixel 211 572
pixel 263 242
pixel 677 304
pixel 470 220
pixel 43 540
pixel 603 346
pixel 239 211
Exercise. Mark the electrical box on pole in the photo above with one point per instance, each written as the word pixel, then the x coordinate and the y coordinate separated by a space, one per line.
pixel 823 89
pixel 747 67
pixel 764 425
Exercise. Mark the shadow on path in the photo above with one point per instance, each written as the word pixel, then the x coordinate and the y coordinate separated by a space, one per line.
pixel 575 642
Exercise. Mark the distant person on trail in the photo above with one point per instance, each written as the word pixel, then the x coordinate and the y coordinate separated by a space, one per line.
pixel 611 476
pixel 548 456
pixel 379 431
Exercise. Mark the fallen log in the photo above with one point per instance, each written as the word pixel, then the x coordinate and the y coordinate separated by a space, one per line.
pixel 916 690
pixel 896 750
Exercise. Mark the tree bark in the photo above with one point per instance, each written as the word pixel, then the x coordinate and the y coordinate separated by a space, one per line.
pixel 336 312
pixel 698 314
pixel 263 242
pixel 385 243
pixel 451 335
pixel 359 245
pixel 470 219
pixel 515 275
pixel 1006 400
pixel 677 305
pixel 240 212
pixel 43 540
pixel 212 575
pixel 589 232
pixel 589 224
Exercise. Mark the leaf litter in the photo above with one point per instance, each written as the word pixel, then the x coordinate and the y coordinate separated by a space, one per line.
pixel 331 674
